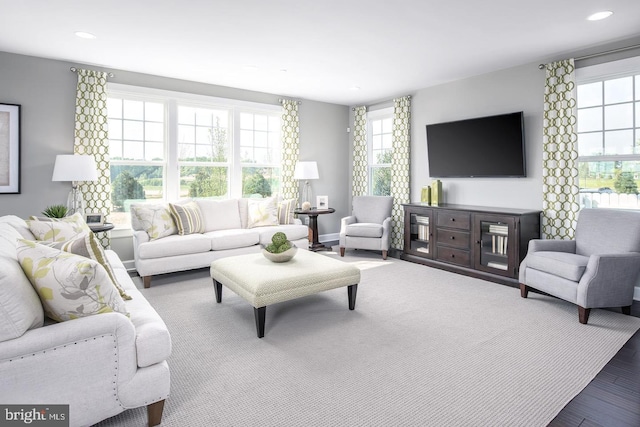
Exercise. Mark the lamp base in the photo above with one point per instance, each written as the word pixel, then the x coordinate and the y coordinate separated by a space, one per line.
pixel 75 202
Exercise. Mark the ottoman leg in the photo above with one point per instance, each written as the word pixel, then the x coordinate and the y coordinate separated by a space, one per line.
pixel 352 290
pixel 218 287
pixel 260 315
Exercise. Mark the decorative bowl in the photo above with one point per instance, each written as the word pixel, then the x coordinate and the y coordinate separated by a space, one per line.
pixel 282 256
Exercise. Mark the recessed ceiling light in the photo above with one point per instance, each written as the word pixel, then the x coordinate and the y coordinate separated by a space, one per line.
pixel 600 15
pixel 85 35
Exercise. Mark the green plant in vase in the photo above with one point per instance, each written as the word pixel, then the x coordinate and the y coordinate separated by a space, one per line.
pixel 55 211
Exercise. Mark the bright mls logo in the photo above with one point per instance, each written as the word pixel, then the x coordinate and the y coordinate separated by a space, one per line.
pixel 34 415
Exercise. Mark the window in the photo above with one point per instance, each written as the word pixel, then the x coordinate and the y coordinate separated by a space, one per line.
pixel 380 151
pixel 166 145
pixel 608 101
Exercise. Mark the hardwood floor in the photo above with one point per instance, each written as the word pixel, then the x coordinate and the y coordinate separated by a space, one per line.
pixel 612 399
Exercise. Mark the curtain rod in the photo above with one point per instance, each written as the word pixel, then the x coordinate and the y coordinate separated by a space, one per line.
pixel 375 105
pixel 75 70
pixel 281 100
pixel 595 55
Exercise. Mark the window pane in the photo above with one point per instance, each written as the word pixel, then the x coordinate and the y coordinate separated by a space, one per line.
pixel 133 150
pixel 132 130
pixel 609 184
pixel 186 152
pixel 203 135
pixel 186 115
pixel 618 116
pixel 376 126
pixel 381 181
pixel 133 184
pixel 618 90
pixel 204 117
pixel 590 119
pixel 204 153
pixel 204 181
pixel 154 151
pixel 274 123
pixel 115 128
pixel 376 142
pixel 387 141
pixel 186 134
pixel 114 107
pixel 115 149
pixel 154 111
pixel 590 95
pixel 590 144
pixel 246 137
pixel 618 142
pixel 260 122
pixel 153 131
pixel 133 110
pixel 261 139
pixel 386 126
pixel 638 88
pixel 263 181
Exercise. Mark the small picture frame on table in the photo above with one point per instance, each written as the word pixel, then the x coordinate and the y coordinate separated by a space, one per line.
pixel 94 219
pixel 322 202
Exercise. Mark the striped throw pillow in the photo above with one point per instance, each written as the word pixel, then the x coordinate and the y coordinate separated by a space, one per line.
pixel 285 211
pixel 187 217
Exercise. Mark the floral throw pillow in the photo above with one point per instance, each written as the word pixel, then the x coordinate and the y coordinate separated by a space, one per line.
pixel 262 212
pixel 156 220
pixel 69 286
pixel 58 229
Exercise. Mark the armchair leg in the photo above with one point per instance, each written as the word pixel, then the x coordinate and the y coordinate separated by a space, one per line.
pixel 626 310
pixel 583 314
pixel 154 412
pixel 524 290
pixel 384 254
pixel 341 251
pixel 147 281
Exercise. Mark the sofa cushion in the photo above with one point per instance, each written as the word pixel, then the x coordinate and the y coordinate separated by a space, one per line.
pixel 88 246
pixel 262 212
pixel 285 211
pixel 58 229
pixel 175 245
pixel 293 232
pixel 155 219
pixel 364 229
pixel 69 286
pixel 19 224
pixel 187 217
pixel 220 214
pixel 231 239
pixel 563 264
pixel 20 308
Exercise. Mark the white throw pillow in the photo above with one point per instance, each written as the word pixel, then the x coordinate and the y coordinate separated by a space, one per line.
pixel 69 286
pixel 220 214
pixel 262 212
pixel 155 219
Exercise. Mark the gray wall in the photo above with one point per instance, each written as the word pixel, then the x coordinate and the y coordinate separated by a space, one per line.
pixel 45 89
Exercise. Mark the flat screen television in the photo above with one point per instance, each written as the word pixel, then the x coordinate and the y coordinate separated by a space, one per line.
pixel 490 146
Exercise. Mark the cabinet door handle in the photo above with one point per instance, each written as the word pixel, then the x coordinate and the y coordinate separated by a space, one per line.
pixel 453 237
pixel 479 242
pixel 453 219
pixel 453 256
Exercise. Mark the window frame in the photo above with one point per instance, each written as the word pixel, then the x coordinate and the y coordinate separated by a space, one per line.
pixel 380 114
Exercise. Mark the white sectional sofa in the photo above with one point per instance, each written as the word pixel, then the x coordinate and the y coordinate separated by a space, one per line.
pixel 99 365
pixel 227 229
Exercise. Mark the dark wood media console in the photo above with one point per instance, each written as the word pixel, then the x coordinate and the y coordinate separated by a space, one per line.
pixel 484 242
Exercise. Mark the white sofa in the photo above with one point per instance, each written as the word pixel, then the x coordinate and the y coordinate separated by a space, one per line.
pixel 99 365
pixel 227 232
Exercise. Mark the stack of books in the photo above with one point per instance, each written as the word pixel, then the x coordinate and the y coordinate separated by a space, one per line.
pixel 423 227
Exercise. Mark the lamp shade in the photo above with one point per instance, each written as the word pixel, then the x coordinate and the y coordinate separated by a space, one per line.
pixel 306 170
pixel 74 167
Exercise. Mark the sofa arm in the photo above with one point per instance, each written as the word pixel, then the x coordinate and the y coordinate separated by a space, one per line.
pixel 609 280
pixel 539 245
pixel 346 221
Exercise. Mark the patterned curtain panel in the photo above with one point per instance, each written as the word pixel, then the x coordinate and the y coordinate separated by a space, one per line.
pixel 400 178
pixel 290 148
pixel 91 138
pixel 360 180
pixel 560 155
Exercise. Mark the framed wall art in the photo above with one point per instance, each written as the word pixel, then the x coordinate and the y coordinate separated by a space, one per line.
pixel 322 202
pixel 9 149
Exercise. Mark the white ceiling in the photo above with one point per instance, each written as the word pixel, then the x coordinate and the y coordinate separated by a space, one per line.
pixel 386 48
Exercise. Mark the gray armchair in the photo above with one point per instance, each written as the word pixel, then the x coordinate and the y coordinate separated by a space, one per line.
pixel 598 269
pixel 368 226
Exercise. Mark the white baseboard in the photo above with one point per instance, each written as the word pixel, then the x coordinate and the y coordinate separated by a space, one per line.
pixel 333 237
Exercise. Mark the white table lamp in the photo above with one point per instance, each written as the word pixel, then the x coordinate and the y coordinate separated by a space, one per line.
pixel 306 171
pixel 75 168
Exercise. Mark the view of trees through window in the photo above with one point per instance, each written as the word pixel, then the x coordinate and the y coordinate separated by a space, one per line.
pixel 380 152
pixel 202 152
pixel 609 142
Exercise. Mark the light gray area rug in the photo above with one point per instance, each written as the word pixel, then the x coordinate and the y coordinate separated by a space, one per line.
pixel 423 347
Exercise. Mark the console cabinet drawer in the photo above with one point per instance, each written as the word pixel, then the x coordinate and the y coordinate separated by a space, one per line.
pixel 453 238
pixel 454 219
pixel 454 256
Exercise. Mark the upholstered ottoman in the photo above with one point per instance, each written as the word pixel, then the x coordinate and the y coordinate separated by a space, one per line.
pixel 262 282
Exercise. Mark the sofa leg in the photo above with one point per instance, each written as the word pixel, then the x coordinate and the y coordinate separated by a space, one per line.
pixel 154 412
pixel 341 251
pixel 583 314
pixel 147 281
pixel 384 254
pixel 524 290
pixel 626 310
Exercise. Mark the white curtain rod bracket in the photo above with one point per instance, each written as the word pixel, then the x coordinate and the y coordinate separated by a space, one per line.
pixel 75 70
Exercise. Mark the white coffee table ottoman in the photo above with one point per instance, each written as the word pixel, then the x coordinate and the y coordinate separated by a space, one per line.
pixel 262 282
